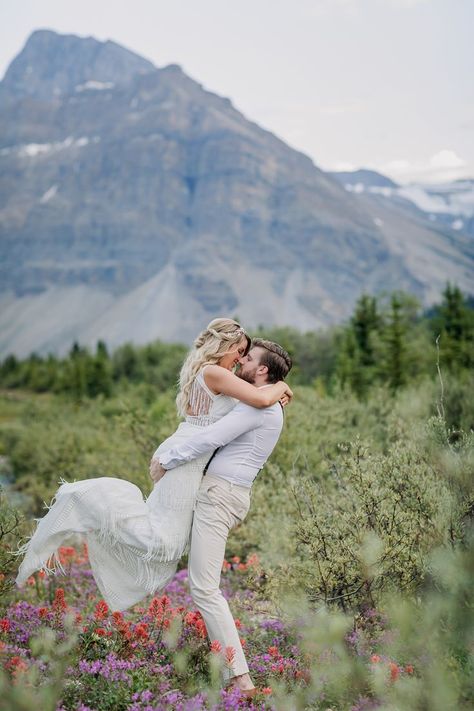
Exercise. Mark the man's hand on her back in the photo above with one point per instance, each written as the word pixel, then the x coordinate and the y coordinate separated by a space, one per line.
pixel 156 470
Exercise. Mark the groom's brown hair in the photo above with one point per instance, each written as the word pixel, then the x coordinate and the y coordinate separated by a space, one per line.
pixel 275 358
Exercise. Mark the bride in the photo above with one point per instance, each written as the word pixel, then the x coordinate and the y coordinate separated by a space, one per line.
pixel 135 544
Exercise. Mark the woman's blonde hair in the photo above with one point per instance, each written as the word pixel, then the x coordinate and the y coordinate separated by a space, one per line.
pixel 209 347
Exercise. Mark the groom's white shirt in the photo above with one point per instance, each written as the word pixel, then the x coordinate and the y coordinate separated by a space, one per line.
pixel 245 438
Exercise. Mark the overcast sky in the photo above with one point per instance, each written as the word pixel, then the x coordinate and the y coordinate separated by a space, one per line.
pixel 384 84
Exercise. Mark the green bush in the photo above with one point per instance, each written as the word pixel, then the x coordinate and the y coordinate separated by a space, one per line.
pixel 394 507
pixel 11 525
pixel 50 438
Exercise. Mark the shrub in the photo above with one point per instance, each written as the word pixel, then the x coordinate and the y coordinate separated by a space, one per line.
pixel 370 526
pixel 10 529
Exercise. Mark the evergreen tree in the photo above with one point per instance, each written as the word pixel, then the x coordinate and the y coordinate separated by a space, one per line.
pixel 357 356
pixel 126 363
pixel 99 373
pixel 454 322
pixel 349 370
pixel 365 323
pixel 394 336
pixel 9 372
pixel 9 365
pixel 74 375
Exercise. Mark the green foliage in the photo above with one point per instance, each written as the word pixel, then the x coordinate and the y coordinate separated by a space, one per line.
pixel 458 401
pixel 394 336
pixel 381 344
pixel 89 375
pixel 314 353
pixel 453 321
pixel 387 341
pixel 11 522
pixel 358 353
pixel 55 648
pixel 422 661
pixel 51 438
pixel 385 507
pixel 365 483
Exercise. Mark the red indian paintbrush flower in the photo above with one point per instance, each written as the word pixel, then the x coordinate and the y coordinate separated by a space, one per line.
pixel 229 655
pixel 59 604
pixel 4 624
pixel 101 610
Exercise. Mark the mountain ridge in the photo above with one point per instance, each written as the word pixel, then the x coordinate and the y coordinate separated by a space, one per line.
pixel 444 204
pixel 109 192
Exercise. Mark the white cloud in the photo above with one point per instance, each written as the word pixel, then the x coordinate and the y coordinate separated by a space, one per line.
pixel 446 159
pixel 443 166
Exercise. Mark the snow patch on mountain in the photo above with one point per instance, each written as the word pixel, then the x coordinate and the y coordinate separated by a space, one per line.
pixel 450 203
pixel 33 150
pixel 93 85
pixel 49 194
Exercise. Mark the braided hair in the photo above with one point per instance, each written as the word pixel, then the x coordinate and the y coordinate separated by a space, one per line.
pixel 275 358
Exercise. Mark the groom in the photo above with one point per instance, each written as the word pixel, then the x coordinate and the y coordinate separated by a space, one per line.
pixel 242 441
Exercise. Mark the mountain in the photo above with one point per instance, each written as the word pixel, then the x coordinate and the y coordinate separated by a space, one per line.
pixel 52 66
pixel 135 205
pixel 362 179
pixel 450 204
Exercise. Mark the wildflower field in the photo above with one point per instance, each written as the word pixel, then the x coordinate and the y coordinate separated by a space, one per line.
pixel 351 578
pixel 157 656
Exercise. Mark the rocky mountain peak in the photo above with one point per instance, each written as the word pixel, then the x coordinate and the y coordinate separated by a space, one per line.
pixel 54 65
pixel 364 177
pixel 135 204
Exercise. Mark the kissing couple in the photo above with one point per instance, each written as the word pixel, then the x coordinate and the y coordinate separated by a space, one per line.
pixel 203 476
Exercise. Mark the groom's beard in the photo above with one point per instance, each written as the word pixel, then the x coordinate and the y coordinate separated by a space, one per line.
pixel 248 377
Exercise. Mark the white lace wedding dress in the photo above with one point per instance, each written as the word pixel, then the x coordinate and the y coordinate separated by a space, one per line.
pixel 134 544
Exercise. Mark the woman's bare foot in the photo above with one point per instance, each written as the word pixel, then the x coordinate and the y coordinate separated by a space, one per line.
pixel 243 682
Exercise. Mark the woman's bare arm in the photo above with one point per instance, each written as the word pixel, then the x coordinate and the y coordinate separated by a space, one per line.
pixel 224 382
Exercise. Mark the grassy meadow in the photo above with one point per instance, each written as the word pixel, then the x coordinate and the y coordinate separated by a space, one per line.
pixel 351 577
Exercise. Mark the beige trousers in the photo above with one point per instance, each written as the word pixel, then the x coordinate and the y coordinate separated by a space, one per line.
pixel 220 506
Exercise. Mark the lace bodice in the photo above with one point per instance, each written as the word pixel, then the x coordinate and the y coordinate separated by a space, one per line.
pixel 205 406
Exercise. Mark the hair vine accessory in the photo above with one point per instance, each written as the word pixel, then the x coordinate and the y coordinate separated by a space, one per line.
pixel 227 336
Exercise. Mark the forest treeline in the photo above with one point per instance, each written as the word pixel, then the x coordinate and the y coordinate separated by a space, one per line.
pixel 388 340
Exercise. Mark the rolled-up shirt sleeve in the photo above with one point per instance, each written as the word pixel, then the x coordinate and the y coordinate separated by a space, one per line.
pixel 238 421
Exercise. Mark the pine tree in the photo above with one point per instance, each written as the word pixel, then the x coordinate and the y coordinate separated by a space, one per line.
pixel 349 371
pixel 454 323
pixel 394 337
pixel 9 371
pixel 74 378
pixel 98 372
pixel 357 356
pixel 365 322
pixel 126 363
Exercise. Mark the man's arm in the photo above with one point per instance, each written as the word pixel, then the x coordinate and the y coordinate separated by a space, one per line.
pixel 240 419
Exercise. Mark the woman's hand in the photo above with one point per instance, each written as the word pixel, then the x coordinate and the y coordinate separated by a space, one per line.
pixel 287 396
pixel 222 381
pixel 156 470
